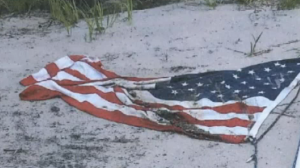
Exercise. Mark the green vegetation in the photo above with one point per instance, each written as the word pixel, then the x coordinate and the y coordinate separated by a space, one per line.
pixel 129 7
pixel 91 26
pixel 246 2
pixel 280 4
pixel 64 11
pixel 253 45
pixel 17 6
pixel 211 3
pixel 94 18
pixel 69 12
pixel 23 6
pixel 288 4
pixel 98 15
pixel 97 12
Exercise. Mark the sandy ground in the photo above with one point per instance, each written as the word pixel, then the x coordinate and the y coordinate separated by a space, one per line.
pixel 169 40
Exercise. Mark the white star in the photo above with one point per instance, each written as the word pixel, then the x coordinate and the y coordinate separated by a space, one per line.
pixel 282 80
pixel 213 91
pixel 184 84
pixel 267 69
pixel 239 70
pixel 251 72
pixel 245 96
pixel 174 92
pixel 198 94
pixel 223 82
pixel 290 71
pixel 266 83
pixel 277 64
pixel 298 63
pixel 191 89
pixel 169 87
pixel 283 66
pixel 244 83
pixel 258 79
pixel 220 96
pixel 274 87
pixel 237 91
pixel 199 84
pixel 261 92
pixel 251 87
pixel 227 86
pixel 235 76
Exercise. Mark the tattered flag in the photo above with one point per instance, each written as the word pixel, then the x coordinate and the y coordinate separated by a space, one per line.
pixel 227 105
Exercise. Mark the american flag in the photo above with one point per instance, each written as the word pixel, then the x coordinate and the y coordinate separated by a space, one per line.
pixel 228 105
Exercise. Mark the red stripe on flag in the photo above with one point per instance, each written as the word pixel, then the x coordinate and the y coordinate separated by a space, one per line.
pixel 67 82
pixel 224 109
pixel 233 139
pixel 36 92
pixel 76 74
pixel 210 123
pixel 76 57
pixel 52 69
pixel 119 89
pixel 118 116
pixel 236 108
pixel 28 81
pixel 111 97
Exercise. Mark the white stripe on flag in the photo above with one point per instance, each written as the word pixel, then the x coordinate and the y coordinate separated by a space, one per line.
pixel 94 99
pixel 199 114
pixel 64 62
pixel 62 75
pixel 124 99
pixel 208 114
pixel 101 103
pixel 88 71
pixel 104 89
pixel 225 130
pixel 122 83
pixel 258 101
pixel 91 59
pixel 41 75
pixel 152 81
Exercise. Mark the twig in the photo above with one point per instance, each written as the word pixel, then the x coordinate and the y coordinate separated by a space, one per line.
pixel 286 115
pixel 296 156
pixel 241 52
pixel 278 117
pixel 289 42
pixel 254 156
pixel 288 103
pixel 9 150
pixel 255 141
pixel 253 46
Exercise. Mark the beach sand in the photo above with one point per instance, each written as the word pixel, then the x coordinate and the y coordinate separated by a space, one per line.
pixel 169 40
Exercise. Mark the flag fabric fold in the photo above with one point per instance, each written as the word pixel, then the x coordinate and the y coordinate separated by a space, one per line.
pixel 228 105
